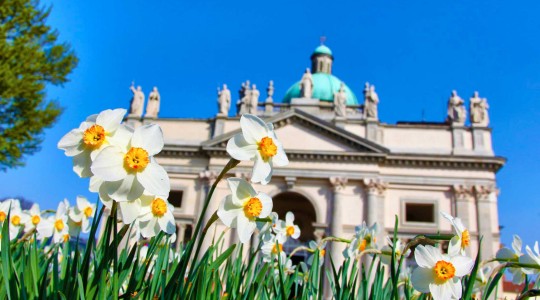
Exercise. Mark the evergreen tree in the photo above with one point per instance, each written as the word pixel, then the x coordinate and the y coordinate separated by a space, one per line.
pixel 30 59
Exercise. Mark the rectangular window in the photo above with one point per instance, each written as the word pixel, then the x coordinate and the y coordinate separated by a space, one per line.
pixel 175 198
pixel 420 212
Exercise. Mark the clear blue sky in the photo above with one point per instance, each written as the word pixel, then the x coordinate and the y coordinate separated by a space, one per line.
pixel 415 52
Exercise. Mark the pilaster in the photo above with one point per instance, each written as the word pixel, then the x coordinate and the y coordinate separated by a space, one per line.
pixel 488 223
pixel 375 190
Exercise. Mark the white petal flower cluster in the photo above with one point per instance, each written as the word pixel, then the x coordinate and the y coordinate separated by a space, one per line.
pixel 439 273
pixel 120 161
pixel 515 255
pixel 364 238
pixel 386 255
pixel 244 207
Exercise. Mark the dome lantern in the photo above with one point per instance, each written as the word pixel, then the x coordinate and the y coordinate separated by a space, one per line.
pixel 321 60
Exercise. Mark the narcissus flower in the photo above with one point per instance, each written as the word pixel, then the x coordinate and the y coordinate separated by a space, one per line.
pixel 242 208
pixel 92 136
pixel 386 256
pixel 56 226
pixel 81 213
pixel 12 207
pixel 34 217
pixel 514 255
pixel 272 247
pixel 156 215
pixel 461 240
pixel 130 169
pixel 439 274
pixel 531 258
pixel 314 247
pixel 259 143
pixel 364 238
pixel 290 229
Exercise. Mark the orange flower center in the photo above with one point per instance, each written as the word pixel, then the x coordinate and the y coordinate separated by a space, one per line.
pixel 362 245
pixel 2 216
pixel 94 136
pixel 290 230
pixel 136 160
pixel 253 208
pixel 59 225
pixel 66 237
pixel 276 250
pixel 159 207
pixel 36 219
pixel 88 211
pixel 322 252
pixel 267 148
pixel 16 220
pixel 465 238
pixel 443 271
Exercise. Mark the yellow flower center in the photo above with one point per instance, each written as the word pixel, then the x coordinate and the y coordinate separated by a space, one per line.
pixel 267 148
pixel 59 225
pixel 2 216
pixel 253 208
pixel 16 220
pixel 159 207
pixel 94 136
pixel 136 160
pixel 290 230
pixel 465 238
pixel 443 271
pixel 276 250
pixel 36 219
pixel 66 237
pixel 362 245
pixel 322 252
pixel 88 211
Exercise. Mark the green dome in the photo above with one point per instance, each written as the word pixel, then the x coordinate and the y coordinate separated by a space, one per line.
pixel 324 87
pixel 322 49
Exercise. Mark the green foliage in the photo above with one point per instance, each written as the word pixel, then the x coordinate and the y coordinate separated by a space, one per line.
pixel 30 58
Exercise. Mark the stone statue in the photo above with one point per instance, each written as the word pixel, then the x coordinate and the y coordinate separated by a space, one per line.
pixel 154 100
pixel 137 102
pixel 479 110
pixel 242 105
pixel 340 101
pixel 224 101
pixel 270 91
pixel 306 85
pixel 371 101
pixel 456 110
pixel 254 100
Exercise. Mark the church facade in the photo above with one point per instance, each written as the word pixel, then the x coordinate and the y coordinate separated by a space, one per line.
pixel 346 166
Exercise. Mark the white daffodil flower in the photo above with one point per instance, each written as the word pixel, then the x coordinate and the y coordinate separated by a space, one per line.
pixel 130 169
pixel 322 252
pixel 287 265
pixel 12 207
pixel 33 218
pixel 56 226
pixel 241 208
pixel 461 240
pixel 288 227
pixel 531 258
pixel 156 215
pixel 259 143
pixel 513 254
pixel 364 238
pixel 82 212
pixel 386 256
pixel 439 273
pixel 273 246
pixel 92 136
pixel 269 228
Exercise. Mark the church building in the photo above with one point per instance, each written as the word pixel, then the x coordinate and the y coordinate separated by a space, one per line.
pixel 346 165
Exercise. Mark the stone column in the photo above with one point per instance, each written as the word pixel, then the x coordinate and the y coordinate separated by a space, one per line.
pixel 180 235
pixel 375 190
pixel 338 207
pixel 488 222
pixel 463 208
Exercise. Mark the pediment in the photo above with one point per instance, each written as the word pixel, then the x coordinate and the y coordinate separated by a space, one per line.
pixel 299 131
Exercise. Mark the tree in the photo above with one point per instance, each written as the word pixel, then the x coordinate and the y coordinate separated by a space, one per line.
pixel 30 59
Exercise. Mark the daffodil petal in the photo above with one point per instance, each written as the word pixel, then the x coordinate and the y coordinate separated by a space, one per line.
pixel 267 205
pixel 228 212
pixel 245 228
pixel 110 119
pixel 440 291
pixel 124 190
pixel 71 142
pixel 454 247
pixel 148 137
pixel 239 149
pixel 155 180
pixel 463 265
pixel 253 128
pixel 420 279
pixel 109 164
pixel 424 256
pixel 81 165
pixel 289 218
pixel 262 171
pixel 166 223
pixel 130 210
pixel 241 190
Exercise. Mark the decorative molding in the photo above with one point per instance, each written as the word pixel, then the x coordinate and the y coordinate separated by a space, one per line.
pixel 484 191
pixel 291 182
pixel 208 176
pixel 462 192
pixel 375 186
pixel 338 183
